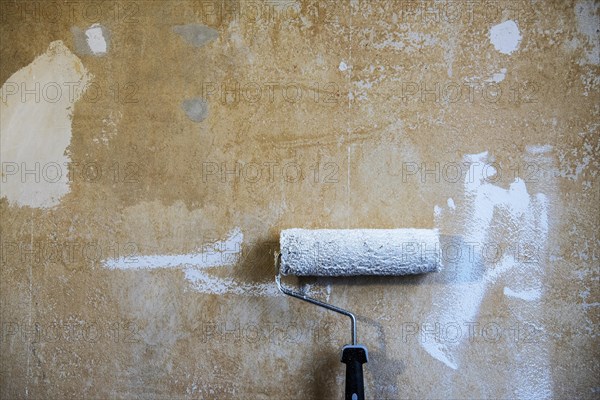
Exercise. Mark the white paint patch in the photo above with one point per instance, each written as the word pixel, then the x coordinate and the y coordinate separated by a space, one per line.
pixel 451 204
pixel 36 127
pixel 223 253
pixel 505 37
pixel 498 77
pixel 96 40
pixel 527 295
pixel 343 66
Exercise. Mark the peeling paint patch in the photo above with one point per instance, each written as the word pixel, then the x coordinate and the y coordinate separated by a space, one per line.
pixel 196 34
pixel 38 142
pixel 196 109
pixel 505 37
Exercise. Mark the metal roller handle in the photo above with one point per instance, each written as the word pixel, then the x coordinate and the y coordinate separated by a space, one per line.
pixel 304 297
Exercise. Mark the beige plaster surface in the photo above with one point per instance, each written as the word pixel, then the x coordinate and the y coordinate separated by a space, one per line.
pixel 201 129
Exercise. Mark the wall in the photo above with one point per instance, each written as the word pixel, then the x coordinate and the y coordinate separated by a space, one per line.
pixel 153 151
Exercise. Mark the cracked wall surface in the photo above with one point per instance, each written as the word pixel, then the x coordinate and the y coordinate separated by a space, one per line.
pixel 152 151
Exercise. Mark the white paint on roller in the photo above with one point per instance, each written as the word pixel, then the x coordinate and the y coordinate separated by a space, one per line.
pixel 505 37
pixel 489 213
pixel 348 252
pixel 527 295
pixel 36 114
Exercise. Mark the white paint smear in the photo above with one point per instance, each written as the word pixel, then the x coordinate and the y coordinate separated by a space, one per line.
pixel 490 213
pixel 35 121
pixel 505 37
pixel 224 253
pixel 96 40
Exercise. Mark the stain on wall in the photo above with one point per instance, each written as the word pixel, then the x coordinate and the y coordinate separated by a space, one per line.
pixel 153 151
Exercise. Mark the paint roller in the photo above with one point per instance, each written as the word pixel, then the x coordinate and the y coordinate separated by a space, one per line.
pixel 352 252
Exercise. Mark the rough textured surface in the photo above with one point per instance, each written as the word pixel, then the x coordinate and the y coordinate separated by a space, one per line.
pixel 355 252
pixel 150 273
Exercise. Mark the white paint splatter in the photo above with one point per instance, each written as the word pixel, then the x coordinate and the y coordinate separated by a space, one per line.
pixel 343 66
pixel 527 295
pixel 37 111
pixel 505 37
pixel 109 127
pixel 95 39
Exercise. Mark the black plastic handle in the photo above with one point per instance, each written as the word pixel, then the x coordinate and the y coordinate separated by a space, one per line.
pixel 354 357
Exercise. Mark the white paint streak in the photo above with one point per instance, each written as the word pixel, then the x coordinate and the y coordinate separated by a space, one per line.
pixel 505 37
pixel 36 127
pixel 539 149
pixel 527 295
pixel 220 253
pixel 224 253
pixel 206 283
pixel 95 39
